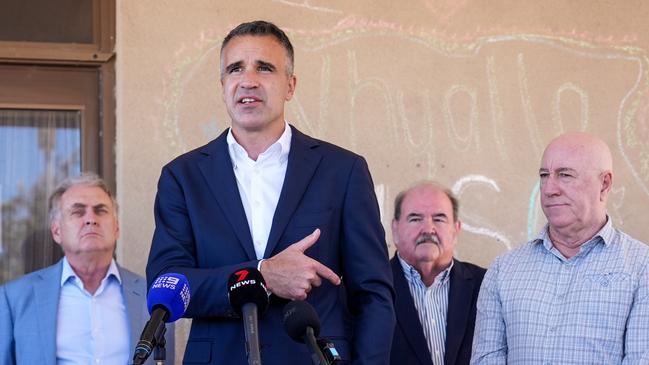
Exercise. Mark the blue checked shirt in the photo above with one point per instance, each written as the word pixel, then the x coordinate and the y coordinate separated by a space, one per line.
pixel 537 307
pixel 432 305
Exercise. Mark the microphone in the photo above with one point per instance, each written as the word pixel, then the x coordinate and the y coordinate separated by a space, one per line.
pixel 167 301
pixel 248 296
pixel 329 351
pixel 302 324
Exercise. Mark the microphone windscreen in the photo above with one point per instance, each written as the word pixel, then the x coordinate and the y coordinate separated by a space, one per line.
pixel 247 286
pixel 170 291
pixel 298 315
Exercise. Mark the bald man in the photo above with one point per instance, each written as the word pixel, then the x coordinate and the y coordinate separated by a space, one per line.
pixel 579 292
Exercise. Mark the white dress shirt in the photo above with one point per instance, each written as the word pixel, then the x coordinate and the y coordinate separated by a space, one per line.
pixel 92 329
pixel 260 184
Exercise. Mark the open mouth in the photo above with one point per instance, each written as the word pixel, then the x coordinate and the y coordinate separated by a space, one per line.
pixel 246 100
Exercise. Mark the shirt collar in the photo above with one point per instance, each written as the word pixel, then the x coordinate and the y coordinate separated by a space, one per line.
pixel 412 274
pixel 238 154
pixel 67 273
pixel 607 234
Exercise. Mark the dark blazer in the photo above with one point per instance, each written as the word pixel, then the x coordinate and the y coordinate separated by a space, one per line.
pixel 28 308
pixel 202 232
pixel 409 344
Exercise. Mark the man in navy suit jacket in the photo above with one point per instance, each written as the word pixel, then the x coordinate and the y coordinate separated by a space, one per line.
pixel 435 293
pixel 264 195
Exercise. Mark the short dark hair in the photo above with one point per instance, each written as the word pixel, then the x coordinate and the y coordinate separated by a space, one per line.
pixel 85 179
pixel 263 28
pixel 398 201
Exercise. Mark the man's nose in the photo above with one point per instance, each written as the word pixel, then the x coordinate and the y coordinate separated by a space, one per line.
pixel 428 226
pixel 249 79
pixel 550 187
pixel 91 220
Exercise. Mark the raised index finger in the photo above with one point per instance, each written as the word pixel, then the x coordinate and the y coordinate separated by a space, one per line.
pixel 307 241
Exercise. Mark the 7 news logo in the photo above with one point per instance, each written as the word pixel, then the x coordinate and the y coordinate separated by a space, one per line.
pixel 241 274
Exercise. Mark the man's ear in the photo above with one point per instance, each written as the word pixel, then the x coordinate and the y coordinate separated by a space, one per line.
pixel 607 184
pixel 117 230
pixel 55 229
pixel 395 239
pixel 292 82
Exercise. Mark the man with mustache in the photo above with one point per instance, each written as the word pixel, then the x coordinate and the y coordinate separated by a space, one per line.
pixel 265 195
pixel 436 294
pixel 86 309
pixel 579 292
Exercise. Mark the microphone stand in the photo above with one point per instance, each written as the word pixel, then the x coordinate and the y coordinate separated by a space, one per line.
pixel 316 355
pixel 160 352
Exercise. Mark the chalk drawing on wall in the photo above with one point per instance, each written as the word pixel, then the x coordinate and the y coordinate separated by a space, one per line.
pixel 464 183
pixel 533 211
pixel 306 5
pixel 457 118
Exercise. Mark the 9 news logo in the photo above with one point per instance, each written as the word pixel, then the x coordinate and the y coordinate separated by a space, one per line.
pixel 165 282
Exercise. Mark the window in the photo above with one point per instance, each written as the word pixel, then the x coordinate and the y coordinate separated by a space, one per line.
pixel 56 116
pixel 40 147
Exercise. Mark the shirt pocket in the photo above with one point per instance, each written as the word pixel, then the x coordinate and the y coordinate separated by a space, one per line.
pixel 604 301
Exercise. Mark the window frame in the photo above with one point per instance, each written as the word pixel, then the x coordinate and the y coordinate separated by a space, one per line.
pixel 100 51
pixel 100 55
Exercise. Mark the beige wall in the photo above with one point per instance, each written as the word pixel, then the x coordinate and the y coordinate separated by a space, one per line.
pixel 463 92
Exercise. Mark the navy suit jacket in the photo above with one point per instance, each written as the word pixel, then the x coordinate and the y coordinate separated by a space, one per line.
pixel 28 312
pixel 202 232
pixel 409 344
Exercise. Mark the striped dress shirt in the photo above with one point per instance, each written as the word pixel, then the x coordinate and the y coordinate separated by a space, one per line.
pixel 537 307
pixel 432 305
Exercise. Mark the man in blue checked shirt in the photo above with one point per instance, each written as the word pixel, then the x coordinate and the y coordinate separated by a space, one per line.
pixel 579 292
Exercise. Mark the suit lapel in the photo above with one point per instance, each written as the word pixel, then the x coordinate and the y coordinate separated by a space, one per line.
pixel 134 298
pixel 47 289
pixel 216 167
pixel 303 161
pixel 459 305
pixel 407 317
